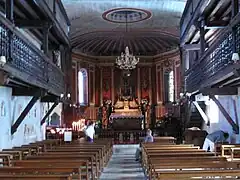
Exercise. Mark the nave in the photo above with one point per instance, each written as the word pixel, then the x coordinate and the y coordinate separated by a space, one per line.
pixel 163 159
pixel 123 164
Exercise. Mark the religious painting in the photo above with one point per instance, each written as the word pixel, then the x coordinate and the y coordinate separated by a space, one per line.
pixel 106 83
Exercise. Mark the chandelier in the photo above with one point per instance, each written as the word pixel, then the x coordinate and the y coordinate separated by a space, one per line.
pixel 127 61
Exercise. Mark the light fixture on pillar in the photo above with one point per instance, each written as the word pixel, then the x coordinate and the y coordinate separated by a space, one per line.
pixel 235 57
pixel 68 95
pixel 3 60
pixel 65 97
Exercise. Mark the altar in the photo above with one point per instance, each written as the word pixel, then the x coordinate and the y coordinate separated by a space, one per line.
pixel 126 116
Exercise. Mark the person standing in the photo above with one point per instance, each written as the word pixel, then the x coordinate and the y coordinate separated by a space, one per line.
pixel 213 138
pixel 90 131
pixel 147 139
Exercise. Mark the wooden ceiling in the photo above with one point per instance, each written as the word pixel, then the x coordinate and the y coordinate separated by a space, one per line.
pixel 92 34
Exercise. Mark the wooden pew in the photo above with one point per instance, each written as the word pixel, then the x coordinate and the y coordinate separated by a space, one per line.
pixel 96 161
pixel 68 157
pixel 80 165
pixel 200 174
pixel 6 159
pixel 35 176
pixel 160 158
pixel 41 170
pixel 14 154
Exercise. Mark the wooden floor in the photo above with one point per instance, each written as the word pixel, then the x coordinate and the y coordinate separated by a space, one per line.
pixel 123 165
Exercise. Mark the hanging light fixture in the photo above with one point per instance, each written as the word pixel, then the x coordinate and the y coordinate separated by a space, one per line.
pixel 127 61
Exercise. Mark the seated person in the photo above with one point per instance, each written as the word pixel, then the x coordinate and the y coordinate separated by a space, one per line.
pixel 148 138
pixel 213 138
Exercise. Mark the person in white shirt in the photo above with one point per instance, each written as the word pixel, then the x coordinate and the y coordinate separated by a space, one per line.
pixel 90 131
pixel 213 138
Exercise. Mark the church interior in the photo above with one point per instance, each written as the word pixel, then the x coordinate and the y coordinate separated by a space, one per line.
pixel 119 89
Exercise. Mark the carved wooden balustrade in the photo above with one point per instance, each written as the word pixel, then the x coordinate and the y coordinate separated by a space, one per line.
pixel 26 62
pixel 215 59
pixel 123 137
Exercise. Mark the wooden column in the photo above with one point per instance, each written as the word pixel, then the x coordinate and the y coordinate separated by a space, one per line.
pixel 202 35
pixel 150 84
pixel 101 87
pixel 235 9
pixel 9 7
pixel 138 84
pixel 112 84
pixel 94 86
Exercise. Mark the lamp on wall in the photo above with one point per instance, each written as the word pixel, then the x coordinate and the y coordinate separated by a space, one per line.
pixel 235 57
pixel 3 60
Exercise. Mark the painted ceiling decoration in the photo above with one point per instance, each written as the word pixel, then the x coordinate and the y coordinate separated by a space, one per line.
pixel 98 27
pixel 126 15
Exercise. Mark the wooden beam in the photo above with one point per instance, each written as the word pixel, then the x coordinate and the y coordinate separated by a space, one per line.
pixel 31 24
pixel 202 36
pixel 23 91
pixel 226 115
pixel 44 7
pixel 220 91
pixel 49 112
pixel 199 9
pixel 235 111
pixel 201 112
pixel 216 24
pixel 189 47
pixel 235 7
pixel 9 9
pixel 24 113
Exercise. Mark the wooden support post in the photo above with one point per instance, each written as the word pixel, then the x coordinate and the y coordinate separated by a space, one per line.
pixel 9 15
pixel 235 112
pixel 188 113
pixel 235 9
pixel 202 113
pixel 49 112
pixel 202 35
pixel 20 119
pixel 226 115
pixel 9 9
pixel 45 40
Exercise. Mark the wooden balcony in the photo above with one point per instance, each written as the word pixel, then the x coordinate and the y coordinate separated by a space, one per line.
pixel 210 32
pixel 55 10
pixel 26 62
pixel 41 14
pixel 216 65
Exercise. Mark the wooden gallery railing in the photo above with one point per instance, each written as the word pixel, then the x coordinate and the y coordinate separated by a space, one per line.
pixel 26 62
pixel 123 137
pixel 216 59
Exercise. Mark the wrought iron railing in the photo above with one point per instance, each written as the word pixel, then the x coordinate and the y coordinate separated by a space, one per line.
pixel 27 62
pixel 215 59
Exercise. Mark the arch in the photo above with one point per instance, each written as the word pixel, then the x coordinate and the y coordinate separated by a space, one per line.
pixel 82 86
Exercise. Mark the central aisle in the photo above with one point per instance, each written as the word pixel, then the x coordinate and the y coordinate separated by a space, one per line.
pixel 122 165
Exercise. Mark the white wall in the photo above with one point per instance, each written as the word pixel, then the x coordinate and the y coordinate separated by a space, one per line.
pixel 30 129
pixel 217 119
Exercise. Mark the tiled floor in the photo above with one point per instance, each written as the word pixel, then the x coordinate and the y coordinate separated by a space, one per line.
pixel 122 165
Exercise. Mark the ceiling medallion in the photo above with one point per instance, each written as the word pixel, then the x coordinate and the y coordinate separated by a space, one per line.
pixel 126 15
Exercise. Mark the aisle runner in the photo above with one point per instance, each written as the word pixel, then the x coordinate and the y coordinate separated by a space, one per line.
pixel 122 165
